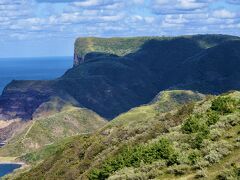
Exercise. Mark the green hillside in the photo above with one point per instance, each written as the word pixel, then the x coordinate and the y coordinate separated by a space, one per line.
pixel 191 140
pixel 47 130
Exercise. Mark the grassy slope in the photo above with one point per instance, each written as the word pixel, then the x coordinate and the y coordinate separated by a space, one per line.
pixel 137 126
pixel 218 156
pixel 144 127
pixel 163 102
pixel 47 130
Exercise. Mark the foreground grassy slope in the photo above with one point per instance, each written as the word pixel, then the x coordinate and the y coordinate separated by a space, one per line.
pixel 138 125
pixel 195 140
pixel 47 130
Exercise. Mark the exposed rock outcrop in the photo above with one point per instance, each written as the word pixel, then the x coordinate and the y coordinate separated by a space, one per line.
pixel 77 60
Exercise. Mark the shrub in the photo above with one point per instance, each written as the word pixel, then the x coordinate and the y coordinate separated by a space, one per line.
pixel 213 157
pixel 191 125
pixel 193 157
pixel 223 176
pixel 214 151
pixel 178 170
pixel 215 134
pixel 198 140
pixel 173 159
pixel 224 105
pixel 212 118
pixel 134 156
pixel 200 174
pixel 232 172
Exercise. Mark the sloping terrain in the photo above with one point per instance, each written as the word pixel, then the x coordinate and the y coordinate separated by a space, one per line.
pixel 110 81
pixel 192 140
pixel 216 68
pixel 47 130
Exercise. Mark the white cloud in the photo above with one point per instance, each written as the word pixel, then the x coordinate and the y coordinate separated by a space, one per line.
pixel 26 18
pixel 223 13
pixel 178 6
pixel 87 3
pixel 236 2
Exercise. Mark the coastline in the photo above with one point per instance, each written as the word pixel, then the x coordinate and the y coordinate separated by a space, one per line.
pixel 11 160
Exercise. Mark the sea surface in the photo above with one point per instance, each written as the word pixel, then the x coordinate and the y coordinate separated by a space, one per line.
pixel 42 68
pixel 8 168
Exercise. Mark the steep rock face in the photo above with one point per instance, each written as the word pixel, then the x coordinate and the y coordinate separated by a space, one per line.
pixel 77 60
pixel 19 99
pixel 110 81
pixel 21 104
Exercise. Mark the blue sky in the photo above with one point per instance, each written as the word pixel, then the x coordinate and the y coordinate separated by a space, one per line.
pixel 49 27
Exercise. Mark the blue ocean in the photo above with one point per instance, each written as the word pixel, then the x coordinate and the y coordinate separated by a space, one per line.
pixel 44 68
pixel 7 168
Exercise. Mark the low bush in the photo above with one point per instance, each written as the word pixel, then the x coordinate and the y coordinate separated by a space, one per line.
pixel 200 174
pixel 213 157
pixel 198 140
pixel 232 172
pixel 191 125
pixel 224 105
pixel 134 156
pixel 212 118
pixel 178 170
pixel 196 124
pixel 215 134
pixel 193 157
pixel 214 151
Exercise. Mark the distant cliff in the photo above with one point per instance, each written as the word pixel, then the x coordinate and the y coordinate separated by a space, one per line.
pixel 114 75
pixel 126 45
pixel 116 46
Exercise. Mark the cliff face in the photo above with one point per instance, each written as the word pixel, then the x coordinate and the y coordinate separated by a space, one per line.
pixel 114 75
pixel 21 98
pixel 77 59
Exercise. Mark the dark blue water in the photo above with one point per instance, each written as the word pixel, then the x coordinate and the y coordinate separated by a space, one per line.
pixel 46 68
pixel 8 168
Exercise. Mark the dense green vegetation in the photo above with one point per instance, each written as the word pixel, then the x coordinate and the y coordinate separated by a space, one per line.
pixel 189 141
pixel 134 156
pixel 224 105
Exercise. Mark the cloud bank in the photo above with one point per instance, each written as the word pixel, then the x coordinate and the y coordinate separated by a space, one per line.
pixel 67 19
